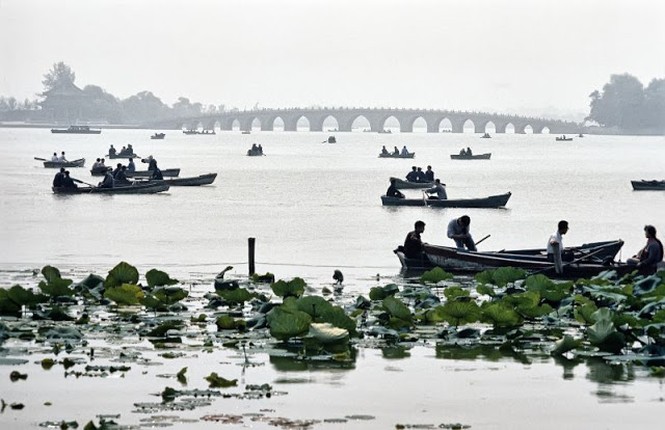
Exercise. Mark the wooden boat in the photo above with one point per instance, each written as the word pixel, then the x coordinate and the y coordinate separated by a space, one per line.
pixel 121 155
pixel 158 136
pixel 496 201
pixel 136 173
pixel 393 155
pixel 455 260
pixel 255 152
pixel 471 157
pixel 58 164
pixel 134 188
pixel 76 129
pixel 194 181
pixel 563 139
pixel 485 136
pixel 246 132
pixel 401 184
pixel 648 185
pixel 331 139
pixel 199 132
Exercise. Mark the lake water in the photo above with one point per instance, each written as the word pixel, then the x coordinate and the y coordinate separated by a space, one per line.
pixel 314 207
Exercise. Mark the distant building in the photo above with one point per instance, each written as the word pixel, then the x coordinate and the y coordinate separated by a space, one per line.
pixel 64 103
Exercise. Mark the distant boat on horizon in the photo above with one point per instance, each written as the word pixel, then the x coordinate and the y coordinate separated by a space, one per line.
pixel 76 129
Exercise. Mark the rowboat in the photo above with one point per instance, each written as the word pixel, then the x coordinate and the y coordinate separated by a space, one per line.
pixel 254 153
pixel 392 155
pixel 648 185
pixel 583 265
pixel 199 132
pixel 135 188
pixel 148 173
pixel 158 136
pixel 205 179
pixel 121 155
pixel 57 164
pixel 471 157
pixel 76 129
pixel 486 136
pixel 563 139
pixel 401 184
pixel 496 201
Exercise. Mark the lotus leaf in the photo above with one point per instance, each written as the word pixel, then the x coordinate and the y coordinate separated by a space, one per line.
pixel 453 293
pixel 396 308
pixel 584 310
pixel 458 313
pixel 157 278
pixel 603 333
pixel 181 376
pixel 123 273
pixel 486 289
pixel 163 328
pixel 326 333
pixel 153 303
pixel 50 273
pixel 22 296
pixel 651 308
pixel 548 290
pixel 285 323
pixel 91 282
pixel 57 287
pixel 266 278
pixel 216 381
pixel 337 317
pixel 227 322
pixel 380 293
pixel 500 315
pixel 313 305
pixel 567 343
pixel 170 295
pixel 236 296
pixel 125 294
pixel 292 288
pixel 8 306
pixel 435 275
pixel 434 315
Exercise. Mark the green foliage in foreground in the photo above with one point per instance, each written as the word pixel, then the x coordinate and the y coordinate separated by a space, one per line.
pixel 292 288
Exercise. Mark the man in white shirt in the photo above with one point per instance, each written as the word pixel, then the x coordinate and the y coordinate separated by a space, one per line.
pixel 62 157
pixel 55 157
pixel 555 245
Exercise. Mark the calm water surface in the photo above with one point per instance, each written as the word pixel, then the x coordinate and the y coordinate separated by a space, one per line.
pixel 313 207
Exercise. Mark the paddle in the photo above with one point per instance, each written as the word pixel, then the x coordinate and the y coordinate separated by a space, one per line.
pixel 40 159
pixel 425 197
pixel 85 183
pixel 482 239
pixel 577 260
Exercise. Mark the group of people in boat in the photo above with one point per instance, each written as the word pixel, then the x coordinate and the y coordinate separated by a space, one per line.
pixel 646 261
pixel 59 158
pixel 124 152
pixel 395 152
pixel 437 191
pixel 118 176
pixel 466 152
pixel 417 175
pixel 63 180
pixel 256 149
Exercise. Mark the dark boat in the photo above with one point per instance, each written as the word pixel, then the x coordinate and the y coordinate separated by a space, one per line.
pixel 331 139
pixel 393 155
pixel 588 260
pixel 471 157
pixel 648 185
pixel 136 173
pixel 158 136
pixel 496 201
pixel 199 132
pixel 401 184
pixel 205 179
pixel 246 132
pixel 121 155
pixel 563 139
pixel 76 129
pixel 485 136
pixel 255 152
pixel 134 188
pixel 57 164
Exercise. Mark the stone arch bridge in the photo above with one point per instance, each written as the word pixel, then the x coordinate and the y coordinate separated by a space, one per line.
pixel 377 117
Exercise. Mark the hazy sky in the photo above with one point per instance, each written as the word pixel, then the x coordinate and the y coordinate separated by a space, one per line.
pixel 525 56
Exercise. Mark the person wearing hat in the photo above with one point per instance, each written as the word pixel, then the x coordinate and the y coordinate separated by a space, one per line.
pixel 649 257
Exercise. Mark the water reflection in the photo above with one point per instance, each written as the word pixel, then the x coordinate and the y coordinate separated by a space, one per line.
pixel 289 360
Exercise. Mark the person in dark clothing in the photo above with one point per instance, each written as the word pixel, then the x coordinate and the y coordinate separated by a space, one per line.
pixel 412 175
pixel 429 174
pixel 120 178
pixel 420 175
pixel 648 258
pixel 156 173
pixel 57 179
pixel 107 182
pixel 393 191
pixel 117 170
pixel 68 182
pixel 413 245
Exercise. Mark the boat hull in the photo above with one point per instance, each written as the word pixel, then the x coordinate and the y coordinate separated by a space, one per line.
pixel 409 155
pixel 75 131
pixel 496 201
pixel 486 156
pixel 401 184
pixel 117 156
pixel 648 185
pixel 193 181
pixel 147 188
pixel 58 164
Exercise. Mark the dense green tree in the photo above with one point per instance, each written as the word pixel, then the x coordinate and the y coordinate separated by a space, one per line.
pixel 59 74
pixel 144 106
pixel 654 103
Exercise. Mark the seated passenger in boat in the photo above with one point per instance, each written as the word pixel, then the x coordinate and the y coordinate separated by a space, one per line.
pixel 412 175
pixel 107 182
pixel 395 151
pixel 55 157
pixel 130 150
pixel 458 230
pixel 254 147
pixel 413 244
pixel 649 257
pixel 123 151
pixel 112 151
pixel 393 191
pixel 462 152
pixel 468 151
pixel 68 182
pixel 439 189
pixel 260 149
pixel 156 173
pixel 384 151
pixel 58 178
pixel 420 175
pixel 120 178
pixel 429 174
pixel 405 151
pixel 131 167
pixel 62 158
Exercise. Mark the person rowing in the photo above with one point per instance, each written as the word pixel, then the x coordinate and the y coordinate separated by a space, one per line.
pixel 439 189
pixel 393 191
pixel 459 231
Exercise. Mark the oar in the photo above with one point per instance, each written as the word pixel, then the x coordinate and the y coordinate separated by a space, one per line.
pixel 85 183
pixel 482 239
pixel 40 159
pixel 577 260
pixel 425 197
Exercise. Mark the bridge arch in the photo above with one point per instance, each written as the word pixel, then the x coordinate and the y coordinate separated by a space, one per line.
pixel 277 124
pixel 445 126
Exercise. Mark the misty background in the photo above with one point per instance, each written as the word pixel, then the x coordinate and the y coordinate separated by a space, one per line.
pixel 512 56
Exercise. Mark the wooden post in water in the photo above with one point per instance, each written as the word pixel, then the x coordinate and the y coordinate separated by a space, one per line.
pixel 251 242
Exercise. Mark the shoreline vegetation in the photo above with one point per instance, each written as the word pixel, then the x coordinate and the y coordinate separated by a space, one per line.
pixel 502 313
